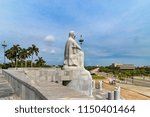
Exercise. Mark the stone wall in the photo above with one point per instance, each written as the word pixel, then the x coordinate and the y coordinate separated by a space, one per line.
pixel 78 79
pixel 23 88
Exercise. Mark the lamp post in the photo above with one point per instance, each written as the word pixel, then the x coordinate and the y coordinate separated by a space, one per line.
pixel 81 40
pixel 4 45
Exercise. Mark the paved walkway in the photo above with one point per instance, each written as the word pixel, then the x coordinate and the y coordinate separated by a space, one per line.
pixel 55 91
pixel 142 90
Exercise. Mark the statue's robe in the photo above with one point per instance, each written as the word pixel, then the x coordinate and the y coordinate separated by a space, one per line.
pixel 73 55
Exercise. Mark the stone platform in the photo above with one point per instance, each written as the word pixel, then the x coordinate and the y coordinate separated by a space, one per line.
pixel 56 91
pixel 43 84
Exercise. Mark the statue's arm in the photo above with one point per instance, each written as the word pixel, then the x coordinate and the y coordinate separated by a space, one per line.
pixel 77 46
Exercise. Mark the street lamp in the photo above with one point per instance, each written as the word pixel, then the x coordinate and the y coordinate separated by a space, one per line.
pixel 4 45
pixel 81 40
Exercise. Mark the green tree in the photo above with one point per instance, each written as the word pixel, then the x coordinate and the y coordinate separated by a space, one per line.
pixel 16 49
pixel 40 61
pixel 33 50
pixel 128 73
pixel 13 54
pixel 23 56
pixel 9 55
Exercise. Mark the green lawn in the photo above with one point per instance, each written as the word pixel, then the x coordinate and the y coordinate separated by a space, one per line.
pixel 98 77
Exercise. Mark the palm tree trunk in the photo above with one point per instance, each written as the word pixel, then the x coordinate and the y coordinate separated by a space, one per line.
pixel 11 63
pixel 32 61
pixel 21 62
pixel 25 63
pixel 16 63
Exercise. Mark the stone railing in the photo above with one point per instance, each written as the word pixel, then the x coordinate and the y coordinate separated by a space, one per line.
pixel 23 87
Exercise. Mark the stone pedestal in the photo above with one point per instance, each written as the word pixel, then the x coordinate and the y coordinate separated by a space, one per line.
pixel 78 79
pixel 93 84
pixel 100 86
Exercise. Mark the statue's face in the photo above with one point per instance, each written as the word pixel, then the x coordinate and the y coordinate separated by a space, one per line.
pixel 73 36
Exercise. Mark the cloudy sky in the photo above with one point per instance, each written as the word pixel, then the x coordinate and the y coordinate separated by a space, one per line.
pixel 115 31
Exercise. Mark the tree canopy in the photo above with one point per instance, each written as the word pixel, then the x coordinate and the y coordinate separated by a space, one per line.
pixel 19 57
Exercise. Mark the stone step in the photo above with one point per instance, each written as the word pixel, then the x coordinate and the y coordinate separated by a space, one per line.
pixel 11 97
pixel 6 91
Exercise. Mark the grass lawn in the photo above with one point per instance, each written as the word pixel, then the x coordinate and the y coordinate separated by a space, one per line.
pixel 98 77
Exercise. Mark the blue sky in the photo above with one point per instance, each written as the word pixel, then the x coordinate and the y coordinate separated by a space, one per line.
pixel 115 31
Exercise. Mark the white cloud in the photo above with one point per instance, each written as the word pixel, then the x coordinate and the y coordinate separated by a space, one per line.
pixel 52 51
pixel 44 50
pixel 49 51
pixel 49 39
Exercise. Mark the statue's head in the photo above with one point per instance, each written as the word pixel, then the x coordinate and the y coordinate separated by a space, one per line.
pixel 72 34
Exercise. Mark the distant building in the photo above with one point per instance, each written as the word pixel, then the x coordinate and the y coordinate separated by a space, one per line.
pixel 146 66
pixel 116 64
pixel 124 66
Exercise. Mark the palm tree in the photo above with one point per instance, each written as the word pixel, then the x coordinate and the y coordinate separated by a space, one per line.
pixel 15 50
pixel 40 61
pixel 9 55
pixel 13 53
pixel 23 56
pixel 33 50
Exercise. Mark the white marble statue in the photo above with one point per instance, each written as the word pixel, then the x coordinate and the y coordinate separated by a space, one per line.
pixel 73 69
pixel 73 56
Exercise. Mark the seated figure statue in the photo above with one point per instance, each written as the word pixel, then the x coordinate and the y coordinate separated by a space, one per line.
pixel 73 56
